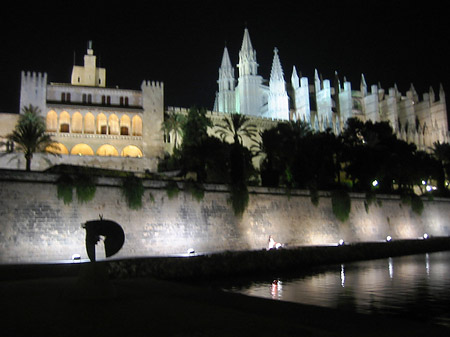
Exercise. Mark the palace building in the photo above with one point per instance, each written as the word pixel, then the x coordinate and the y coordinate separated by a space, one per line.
pixel 92 124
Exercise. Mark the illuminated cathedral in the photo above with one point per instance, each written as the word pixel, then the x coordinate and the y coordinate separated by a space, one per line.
pixel 326 105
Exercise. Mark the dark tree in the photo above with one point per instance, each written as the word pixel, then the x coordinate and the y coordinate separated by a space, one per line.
pixel 29 134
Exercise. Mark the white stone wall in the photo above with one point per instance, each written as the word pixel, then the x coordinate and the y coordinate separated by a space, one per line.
pixel 35 226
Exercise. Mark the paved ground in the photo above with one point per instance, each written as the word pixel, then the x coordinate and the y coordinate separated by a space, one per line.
pixel 90 305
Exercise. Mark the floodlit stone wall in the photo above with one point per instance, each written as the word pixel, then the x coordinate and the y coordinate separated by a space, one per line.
pixel 36 226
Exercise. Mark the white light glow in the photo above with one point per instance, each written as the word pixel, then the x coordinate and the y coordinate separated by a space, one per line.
pixel 341 242
pixel 375 183
pixel 76 257
pixel 425 236
pixel 388 238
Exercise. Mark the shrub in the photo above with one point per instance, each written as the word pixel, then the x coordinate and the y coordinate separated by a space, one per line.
pixel 416 204
pixel 65 187
pixel 196 189
pixel 371 198
pixel 239 198
pixel 341 204
pixel 172 189
pixel 405 197
pixel 85 188
pixel 314 195
pixel 412 199
pixel 133 190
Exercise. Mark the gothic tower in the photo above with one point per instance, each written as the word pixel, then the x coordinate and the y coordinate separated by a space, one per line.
pixel 301 97
pixel 226 97
pixel 278 98
pixel 249 81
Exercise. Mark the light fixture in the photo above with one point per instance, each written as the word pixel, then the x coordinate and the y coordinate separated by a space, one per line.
pixel 341 242
pixel 76 257
pixel 388 238
pixel 191 251
pixel 426 236
pixel 375 183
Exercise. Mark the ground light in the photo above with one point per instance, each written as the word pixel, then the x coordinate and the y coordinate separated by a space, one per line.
pixel 426 236
pixel 388 238
pixel 341 242
pixel 76 257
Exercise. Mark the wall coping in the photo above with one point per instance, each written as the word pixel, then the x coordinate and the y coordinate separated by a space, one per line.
pixel 51 178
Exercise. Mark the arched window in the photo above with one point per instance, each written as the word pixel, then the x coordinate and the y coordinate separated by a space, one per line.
pixel 107 150
pixel 124 125
pixel 77 123
pixel 136 126
pixel 113 123
pixel 123 101
pixel 64 122
pixel 82 150
pixel 131 151
pixel 52 121
pixel 89 123
pixel 57 148
pixel 102 124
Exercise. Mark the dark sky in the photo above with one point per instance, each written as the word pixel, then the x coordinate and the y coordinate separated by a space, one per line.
pixel 181 43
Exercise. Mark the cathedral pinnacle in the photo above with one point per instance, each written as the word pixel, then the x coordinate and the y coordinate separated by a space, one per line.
pixel 246 43
pixel 277 71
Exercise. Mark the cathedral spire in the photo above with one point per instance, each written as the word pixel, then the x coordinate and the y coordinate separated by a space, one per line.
pixel 247 57
pixel 295 79
pixel 226 69
pixel 226 101
pixel 278 98
pixel 277 72
pixel 246 43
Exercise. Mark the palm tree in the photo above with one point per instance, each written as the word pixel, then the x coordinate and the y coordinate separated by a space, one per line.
pixel 240 159
pixel 237 126
pixel 173 123
pixel 29 134
pixel 441 152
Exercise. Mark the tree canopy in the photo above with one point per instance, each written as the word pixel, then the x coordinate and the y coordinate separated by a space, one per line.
pixel 30 135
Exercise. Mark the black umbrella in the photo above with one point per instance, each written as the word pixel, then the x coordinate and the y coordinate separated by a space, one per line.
pixel 112 231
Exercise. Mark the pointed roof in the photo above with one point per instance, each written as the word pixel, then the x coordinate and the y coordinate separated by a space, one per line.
pixel 226 70
pixel 294 78
pixel 277 70
pixel 226 63
pixel 246 43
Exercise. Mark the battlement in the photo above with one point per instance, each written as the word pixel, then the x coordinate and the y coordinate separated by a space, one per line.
pixel 152 84
pixel 35 78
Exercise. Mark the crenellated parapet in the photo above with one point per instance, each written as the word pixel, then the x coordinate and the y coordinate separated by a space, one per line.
pixel 33 90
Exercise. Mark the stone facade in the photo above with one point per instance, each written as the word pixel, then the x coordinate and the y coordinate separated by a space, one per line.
pixel 102 127
pixel 35 226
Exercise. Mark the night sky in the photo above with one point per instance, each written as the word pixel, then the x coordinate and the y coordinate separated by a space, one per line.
pixel 181 43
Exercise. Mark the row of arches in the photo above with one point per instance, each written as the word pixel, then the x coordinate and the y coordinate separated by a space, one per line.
pixel 104 150
pixel 90 124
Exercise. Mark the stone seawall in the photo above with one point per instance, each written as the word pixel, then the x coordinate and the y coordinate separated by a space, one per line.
pixel 36 226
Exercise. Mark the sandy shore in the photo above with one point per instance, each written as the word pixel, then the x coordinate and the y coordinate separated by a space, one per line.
pixel 75 306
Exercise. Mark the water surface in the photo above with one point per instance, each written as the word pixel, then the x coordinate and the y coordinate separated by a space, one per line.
pixel 415 286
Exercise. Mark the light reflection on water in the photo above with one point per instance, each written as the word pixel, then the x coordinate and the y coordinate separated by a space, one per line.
pixel 416 286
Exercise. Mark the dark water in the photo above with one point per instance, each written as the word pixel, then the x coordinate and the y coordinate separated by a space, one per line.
pixel 416 287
